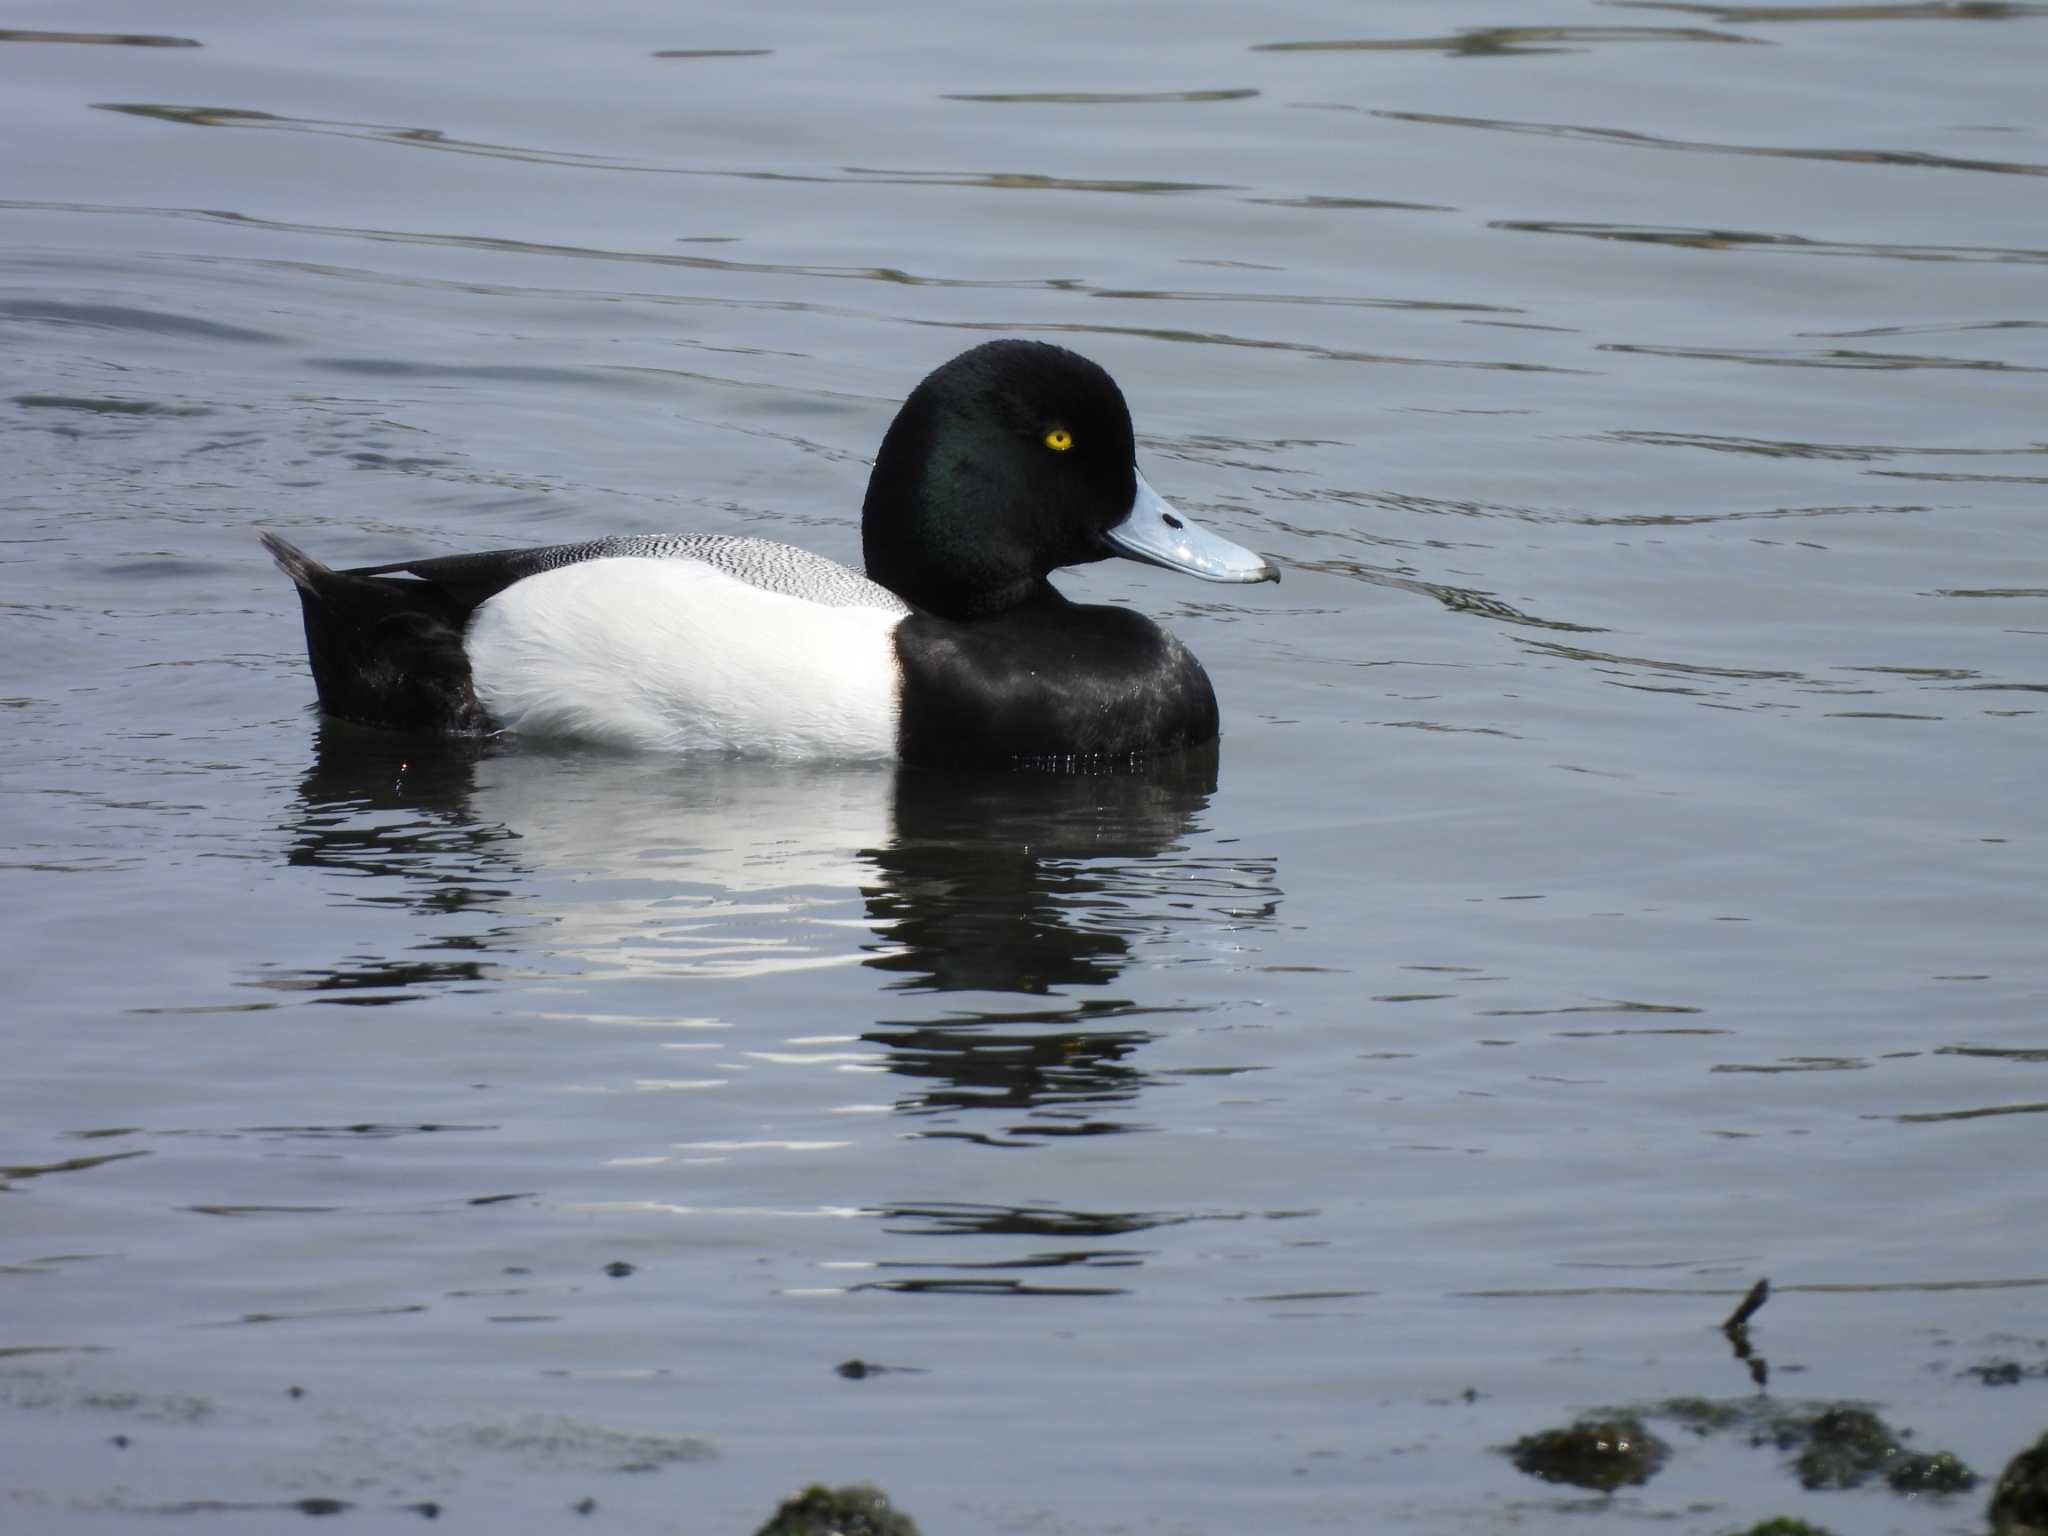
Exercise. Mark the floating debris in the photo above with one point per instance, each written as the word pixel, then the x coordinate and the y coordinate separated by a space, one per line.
pixel 1751 1304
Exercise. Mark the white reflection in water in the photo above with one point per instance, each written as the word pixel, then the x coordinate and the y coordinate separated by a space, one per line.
pixel 710 869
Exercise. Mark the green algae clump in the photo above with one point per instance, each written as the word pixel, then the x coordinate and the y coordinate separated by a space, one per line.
pixel 1845 1448
pixel 2019 1504
pixel 1940 1472
pixel 1600 1452
pixel 858 1509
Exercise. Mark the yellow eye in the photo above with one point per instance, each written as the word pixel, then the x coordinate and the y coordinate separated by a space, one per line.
pixel 1059 439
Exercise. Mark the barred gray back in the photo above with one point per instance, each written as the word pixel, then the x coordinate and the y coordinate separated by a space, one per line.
pixel 766 563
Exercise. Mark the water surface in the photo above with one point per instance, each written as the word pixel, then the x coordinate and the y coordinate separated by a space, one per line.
pixel 1619 878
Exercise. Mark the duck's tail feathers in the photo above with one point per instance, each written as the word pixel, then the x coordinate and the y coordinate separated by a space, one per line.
pixel 303 569
pixel 384 650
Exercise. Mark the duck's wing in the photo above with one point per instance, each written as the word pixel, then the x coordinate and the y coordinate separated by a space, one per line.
pixel 388 643
pixel 470 580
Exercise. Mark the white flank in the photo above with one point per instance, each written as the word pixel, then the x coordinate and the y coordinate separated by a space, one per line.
pixel 675 656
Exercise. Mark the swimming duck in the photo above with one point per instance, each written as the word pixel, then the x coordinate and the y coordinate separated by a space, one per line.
pixel 1010 461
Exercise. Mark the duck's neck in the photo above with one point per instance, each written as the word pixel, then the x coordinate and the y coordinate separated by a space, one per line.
pixel 935 565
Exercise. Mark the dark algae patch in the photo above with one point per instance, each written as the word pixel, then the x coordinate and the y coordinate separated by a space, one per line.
pixel 858 1509
pixel 2019 1504
pixel 1708 1415
pixel 1846 1446
pixel 1832 1446
pixel 1603 1452
pixel 2004 1372
pixel 1942 1472
pixel 1835 1445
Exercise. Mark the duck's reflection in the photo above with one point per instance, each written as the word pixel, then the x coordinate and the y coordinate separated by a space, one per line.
pixel 1081 1242
pixel 990 889
pixel 1046 1074
pixel 1036 885
pixel 374 806
pixel 1028 882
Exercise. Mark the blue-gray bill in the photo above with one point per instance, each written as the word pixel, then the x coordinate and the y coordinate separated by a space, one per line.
pixel 1154 532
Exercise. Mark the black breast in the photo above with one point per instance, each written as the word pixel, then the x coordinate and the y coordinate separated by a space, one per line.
pixel 1047 682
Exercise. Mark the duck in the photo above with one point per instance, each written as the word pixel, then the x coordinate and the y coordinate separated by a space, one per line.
pixel 1013 460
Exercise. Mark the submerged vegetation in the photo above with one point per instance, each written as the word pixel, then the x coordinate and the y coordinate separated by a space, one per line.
pixel 1603 1452
pixel 1831 1446
pixel 858 1509
pixel 2019 1504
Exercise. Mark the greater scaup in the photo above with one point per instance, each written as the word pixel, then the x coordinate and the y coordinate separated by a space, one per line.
pixel 1008 462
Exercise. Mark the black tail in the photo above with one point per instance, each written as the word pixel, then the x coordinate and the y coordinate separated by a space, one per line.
pixel 385 650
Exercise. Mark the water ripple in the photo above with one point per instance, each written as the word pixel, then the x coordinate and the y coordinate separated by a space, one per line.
pixel 1319 202
pixel 506 246
pixel 435 139
pixel 1741 515
pixel 1773 448
pixel 1255 343
pixel 1987 1111
pixel 1917 159
pixel 1456 599
pixel 1200 296
pixel 1831 357
pixel 1941 328
pixel 1660 665
pixel 113 39
pixel 1956 477
pixel 10 1174
pixel 121 317
pixel 1907 10
pixel 961 1218
pixel 1105 98
pixel 1499 42
pixel 854 175
pixel 1700 239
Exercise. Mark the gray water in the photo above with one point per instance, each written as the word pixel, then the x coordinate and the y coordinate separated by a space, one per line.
pixel 1619 879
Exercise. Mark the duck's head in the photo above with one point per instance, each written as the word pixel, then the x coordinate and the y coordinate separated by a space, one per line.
pixel 1010 461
